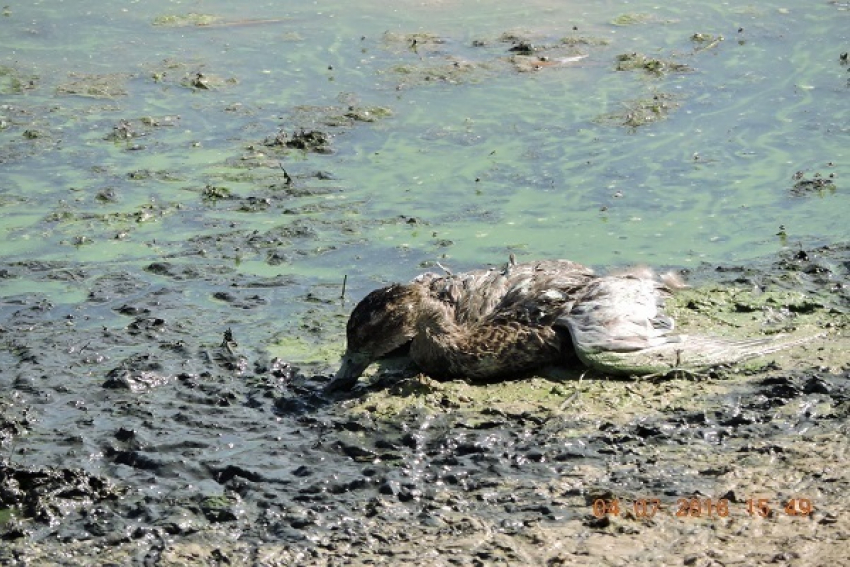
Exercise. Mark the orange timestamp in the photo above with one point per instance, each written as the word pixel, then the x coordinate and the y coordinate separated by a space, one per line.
pixel 700 507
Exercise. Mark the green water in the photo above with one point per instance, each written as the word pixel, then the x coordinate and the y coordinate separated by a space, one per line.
pixel 477 159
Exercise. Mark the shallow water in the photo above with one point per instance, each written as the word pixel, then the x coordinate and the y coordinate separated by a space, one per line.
pixel 144 211
pixel 487 160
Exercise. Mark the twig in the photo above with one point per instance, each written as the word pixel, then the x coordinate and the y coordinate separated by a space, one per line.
pixel 286 177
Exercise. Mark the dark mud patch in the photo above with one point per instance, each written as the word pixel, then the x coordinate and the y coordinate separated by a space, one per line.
pixel 46 495
pixel 651 65
pixel 425 58
pixel 307 129
pixel 188 74
pixel 132 128
pixel 306 140
pixel 816 183
pixel 182 439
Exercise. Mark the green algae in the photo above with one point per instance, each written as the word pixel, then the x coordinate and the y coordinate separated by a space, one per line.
pixel 7 515
pixel 317 352
pixel 409 157
pixel 13 81
pixel 588 41
pixel 478 404
pixel 184 20
pixel 631 19
pixel 731 312
pixel 747 309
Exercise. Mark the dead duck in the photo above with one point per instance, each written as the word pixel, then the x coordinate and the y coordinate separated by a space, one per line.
pixel 483 324
pixel 492 324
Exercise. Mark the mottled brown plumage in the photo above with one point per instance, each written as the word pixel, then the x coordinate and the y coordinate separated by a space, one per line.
pixel 484 324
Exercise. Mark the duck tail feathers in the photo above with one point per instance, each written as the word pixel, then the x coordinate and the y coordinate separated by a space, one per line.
pixel 688 353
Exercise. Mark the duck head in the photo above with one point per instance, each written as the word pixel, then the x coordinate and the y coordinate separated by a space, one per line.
pixel 383 321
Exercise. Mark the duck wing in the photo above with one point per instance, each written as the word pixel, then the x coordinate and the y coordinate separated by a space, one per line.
pixel 620 313
pixel 478 295
pixel 618 326
pixel 486 351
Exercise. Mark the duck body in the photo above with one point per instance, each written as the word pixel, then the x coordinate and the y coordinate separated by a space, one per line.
pixel 498 323
pixel 483 325
pixel 489 350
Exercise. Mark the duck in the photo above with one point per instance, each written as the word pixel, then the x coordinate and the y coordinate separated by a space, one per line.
pixel 493 324
pixel 483 324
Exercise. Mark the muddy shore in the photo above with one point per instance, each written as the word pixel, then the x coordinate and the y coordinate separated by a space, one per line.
pixel 137 429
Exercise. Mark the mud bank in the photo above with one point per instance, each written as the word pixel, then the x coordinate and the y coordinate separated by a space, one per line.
pixel 137 425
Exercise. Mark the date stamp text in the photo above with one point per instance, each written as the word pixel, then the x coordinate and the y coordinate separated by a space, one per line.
pixel 701 507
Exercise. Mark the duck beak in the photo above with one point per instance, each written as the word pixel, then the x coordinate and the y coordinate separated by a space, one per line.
pixel 351 369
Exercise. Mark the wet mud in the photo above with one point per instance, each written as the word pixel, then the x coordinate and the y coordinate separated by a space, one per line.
pixel 167 407
pixel 138 425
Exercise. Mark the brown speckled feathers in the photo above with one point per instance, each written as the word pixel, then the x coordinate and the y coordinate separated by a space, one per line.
pixel 483 324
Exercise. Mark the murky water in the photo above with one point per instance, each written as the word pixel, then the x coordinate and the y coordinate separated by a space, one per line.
pixel 476 160
pixel 163 181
